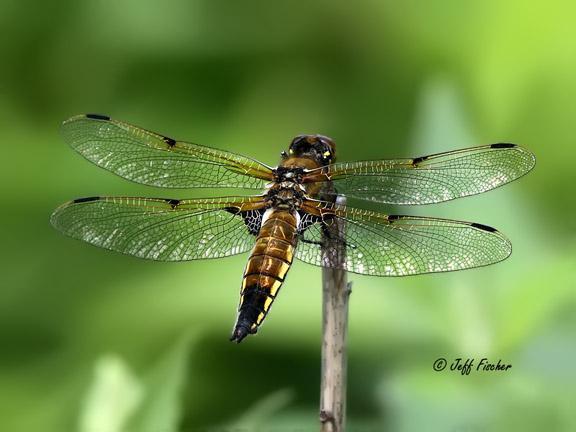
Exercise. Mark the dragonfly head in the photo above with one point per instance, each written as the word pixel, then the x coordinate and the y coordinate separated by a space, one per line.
pixel 318 147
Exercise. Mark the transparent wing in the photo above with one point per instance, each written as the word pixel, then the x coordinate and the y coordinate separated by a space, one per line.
pixel 388 245
pixel 428 179
pixel 153 159
pixel 160 229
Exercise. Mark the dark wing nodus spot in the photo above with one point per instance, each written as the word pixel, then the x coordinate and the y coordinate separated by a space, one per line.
pixel 97 117
pixel 170 141
pixel 173 202
pixel 417 160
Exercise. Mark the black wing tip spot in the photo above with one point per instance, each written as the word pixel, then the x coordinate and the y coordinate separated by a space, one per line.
pixel 98 117
pixel 170 141
pixel 503 145
pixel 87 199
pixel 392 218
pixel 483 227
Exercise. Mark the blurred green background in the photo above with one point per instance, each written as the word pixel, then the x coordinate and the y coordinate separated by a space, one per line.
pixel 93 341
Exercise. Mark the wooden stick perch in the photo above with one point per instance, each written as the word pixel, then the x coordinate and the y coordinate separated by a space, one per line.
pixel 335 294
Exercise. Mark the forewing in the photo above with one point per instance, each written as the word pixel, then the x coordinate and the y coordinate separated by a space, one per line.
pixel 153 159
pixel 388 245
pixel 428 179
pixel 160 229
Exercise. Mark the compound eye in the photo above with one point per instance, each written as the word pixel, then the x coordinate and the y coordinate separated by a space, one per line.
pixel 300 145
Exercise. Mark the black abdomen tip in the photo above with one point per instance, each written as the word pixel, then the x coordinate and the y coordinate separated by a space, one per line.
pixel 503 145
pixel 97 117
pixel 483 227
pixel 239 333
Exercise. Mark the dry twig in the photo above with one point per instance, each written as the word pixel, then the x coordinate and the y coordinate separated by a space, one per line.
pixel 335 293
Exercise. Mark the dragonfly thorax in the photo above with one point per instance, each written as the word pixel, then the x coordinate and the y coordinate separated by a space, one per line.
pixel 285 196
pixel 288 174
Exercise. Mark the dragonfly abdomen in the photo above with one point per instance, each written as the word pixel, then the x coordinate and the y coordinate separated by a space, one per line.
pixel 266 270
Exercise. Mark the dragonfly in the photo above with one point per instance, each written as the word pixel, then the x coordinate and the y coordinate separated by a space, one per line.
pixel 294 212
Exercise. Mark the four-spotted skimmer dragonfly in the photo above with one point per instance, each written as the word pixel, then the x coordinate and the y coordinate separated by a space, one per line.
pixel 294 211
